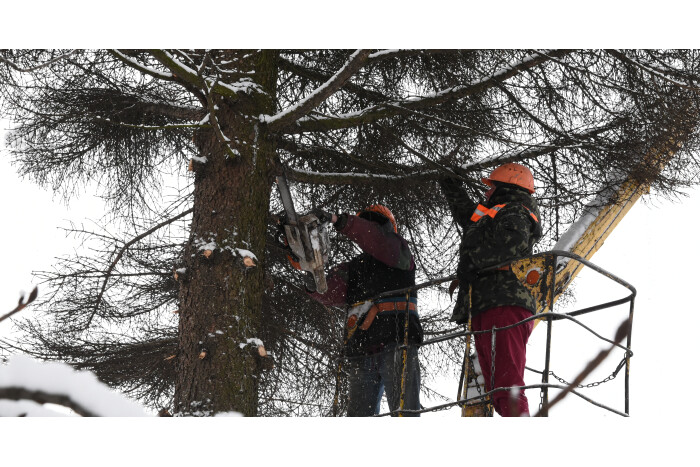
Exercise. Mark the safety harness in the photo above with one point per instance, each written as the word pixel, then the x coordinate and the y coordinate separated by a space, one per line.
pixel 392 304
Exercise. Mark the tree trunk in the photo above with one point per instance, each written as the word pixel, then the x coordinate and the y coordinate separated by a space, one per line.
pixel 220 294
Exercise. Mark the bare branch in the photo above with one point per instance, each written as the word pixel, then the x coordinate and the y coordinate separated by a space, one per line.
pixel 22 304
pixel 661 74
pixel 121 253
pixel 620 334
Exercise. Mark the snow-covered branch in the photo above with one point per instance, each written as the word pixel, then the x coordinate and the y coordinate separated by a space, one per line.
pixel 317 76
pixel 324 91
pixel 57 383
pixel 388 109
pixel 353 178
pixel 36 67
pixel 434 170
pixel 190 77
pixel 133 63
pixel 155 128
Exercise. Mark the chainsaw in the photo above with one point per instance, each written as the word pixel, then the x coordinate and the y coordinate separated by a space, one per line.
pixel 306 236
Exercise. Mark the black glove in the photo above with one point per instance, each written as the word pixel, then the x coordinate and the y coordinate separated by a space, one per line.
pixel 460 313
pixel 341 222
pixel 323 216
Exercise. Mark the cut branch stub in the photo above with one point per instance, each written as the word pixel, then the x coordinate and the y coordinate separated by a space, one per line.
pixel 180 274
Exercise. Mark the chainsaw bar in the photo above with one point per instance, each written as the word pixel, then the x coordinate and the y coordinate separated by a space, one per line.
pixel 307 237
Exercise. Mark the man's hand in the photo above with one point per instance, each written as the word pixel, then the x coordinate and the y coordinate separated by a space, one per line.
pixel 324 216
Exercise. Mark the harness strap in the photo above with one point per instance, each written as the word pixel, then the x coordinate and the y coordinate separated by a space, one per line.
pixel 386 304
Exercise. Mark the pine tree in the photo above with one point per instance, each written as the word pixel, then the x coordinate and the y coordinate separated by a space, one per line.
pixel 348 128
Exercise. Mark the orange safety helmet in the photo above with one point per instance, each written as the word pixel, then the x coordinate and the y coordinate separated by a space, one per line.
pixel 515 174
pixel 384 211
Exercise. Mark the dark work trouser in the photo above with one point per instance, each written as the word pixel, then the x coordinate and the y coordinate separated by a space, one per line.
pixel 369 376
pixel 509 368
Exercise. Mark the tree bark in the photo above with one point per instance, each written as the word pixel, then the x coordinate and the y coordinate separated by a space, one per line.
pixel 220 296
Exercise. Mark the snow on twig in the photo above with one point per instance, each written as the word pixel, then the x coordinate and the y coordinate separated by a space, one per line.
pixel 155 128
pixel 303 107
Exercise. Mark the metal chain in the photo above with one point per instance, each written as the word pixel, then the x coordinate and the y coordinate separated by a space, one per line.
pixel 596 383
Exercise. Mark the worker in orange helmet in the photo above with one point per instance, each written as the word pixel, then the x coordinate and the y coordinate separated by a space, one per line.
pixel 504 226
pixel 376 327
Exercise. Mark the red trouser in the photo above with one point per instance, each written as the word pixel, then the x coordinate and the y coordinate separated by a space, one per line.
pixel 510 355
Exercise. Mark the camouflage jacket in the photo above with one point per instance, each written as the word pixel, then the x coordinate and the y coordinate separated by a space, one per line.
pixel 488 241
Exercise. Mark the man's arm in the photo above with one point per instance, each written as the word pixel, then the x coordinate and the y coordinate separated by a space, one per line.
pixel 388 247
pixel 457 198
pixel 337 281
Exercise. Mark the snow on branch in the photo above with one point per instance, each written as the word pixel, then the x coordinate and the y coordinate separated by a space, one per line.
pixel 142 68
pixel 303 107
pixel 36 67
pixel 156 128
pixel 354 178
pixel 315 75
pixel 24 379
pixel 422 174
pixel 568 141
pixel 389 109
pixel 192 78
